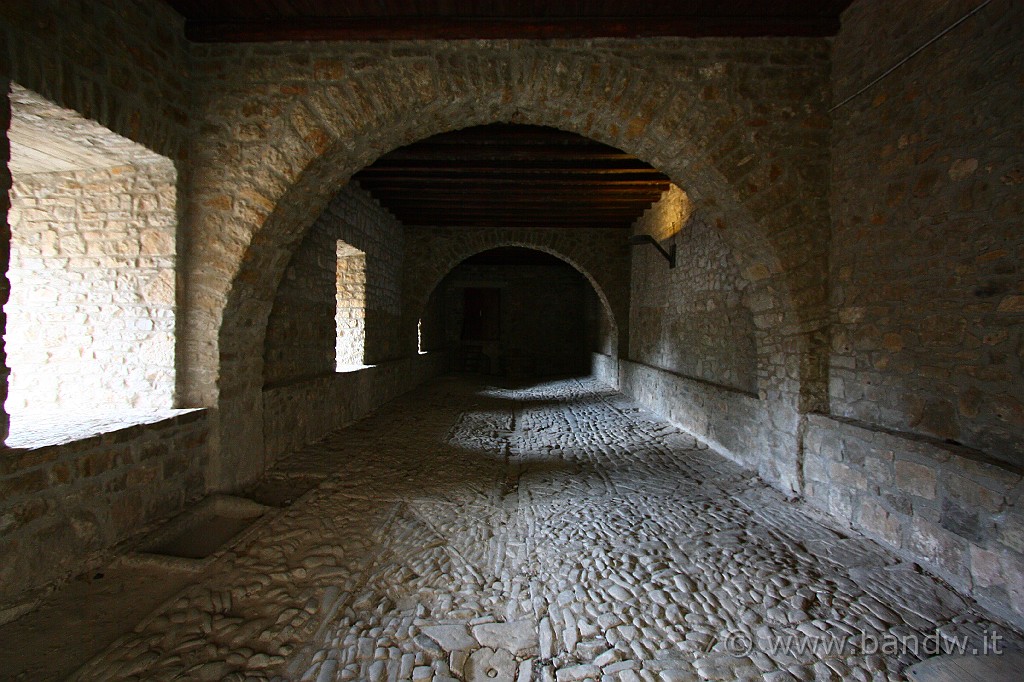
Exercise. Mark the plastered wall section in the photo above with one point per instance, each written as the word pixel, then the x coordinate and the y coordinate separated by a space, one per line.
pixel 301 332
pixel 91 317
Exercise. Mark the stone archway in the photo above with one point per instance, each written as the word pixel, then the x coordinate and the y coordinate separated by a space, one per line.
pixel 268 158
pixel 585 252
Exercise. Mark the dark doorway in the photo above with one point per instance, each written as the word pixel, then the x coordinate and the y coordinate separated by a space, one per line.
pixel 480 350
pixel 515 312
pixel 481 314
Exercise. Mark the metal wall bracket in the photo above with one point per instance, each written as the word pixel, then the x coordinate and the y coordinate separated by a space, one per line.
pixel 670 255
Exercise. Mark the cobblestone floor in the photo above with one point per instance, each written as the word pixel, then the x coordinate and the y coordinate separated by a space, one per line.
pixel 555 532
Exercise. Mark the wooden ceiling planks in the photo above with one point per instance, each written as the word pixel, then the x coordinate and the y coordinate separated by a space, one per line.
pixel 271 20
pixel 504 175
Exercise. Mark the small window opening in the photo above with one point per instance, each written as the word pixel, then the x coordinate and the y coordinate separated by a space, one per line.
pixel 350 317
pixel 91 314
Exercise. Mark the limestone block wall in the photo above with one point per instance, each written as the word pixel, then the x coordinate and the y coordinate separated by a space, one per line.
pixel 735 423
pixel 121 63
pixel 543 314
pixel 350 307
pixel 301 338
pixel 693 320
pixel 91 315
pixel 927 285
pixel 705 343
pixel 63 506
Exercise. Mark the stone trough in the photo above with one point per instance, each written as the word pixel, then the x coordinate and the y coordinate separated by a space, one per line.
pixel 194 539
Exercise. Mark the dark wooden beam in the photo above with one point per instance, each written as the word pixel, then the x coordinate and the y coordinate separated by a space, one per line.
pixel 516 28
pixel 503 134
pixel 432 216
pixel 525 175
pixel 554 219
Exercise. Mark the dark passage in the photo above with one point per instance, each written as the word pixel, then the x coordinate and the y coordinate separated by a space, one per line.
pixel 518 312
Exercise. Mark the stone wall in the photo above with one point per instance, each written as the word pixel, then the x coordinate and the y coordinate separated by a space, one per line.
pixel 707 346
pixel 944 506
pixel 63 506
pixel 5 244
pixel 543 316
pixel 91 316
pixel 301 339
pixel 350 307
pixel 927 286
pixel 605 369
pixel 121 63
pixel 738 425
pixel 692 320
pixel 741 125
pixel 306 410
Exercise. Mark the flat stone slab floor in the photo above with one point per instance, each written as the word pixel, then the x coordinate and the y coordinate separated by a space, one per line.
pixel 553 531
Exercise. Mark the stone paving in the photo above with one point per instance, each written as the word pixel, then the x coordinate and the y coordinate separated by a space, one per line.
pixel 551 532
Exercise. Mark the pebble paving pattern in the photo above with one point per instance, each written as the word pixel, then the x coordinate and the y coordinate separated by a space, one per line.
pixel 548 532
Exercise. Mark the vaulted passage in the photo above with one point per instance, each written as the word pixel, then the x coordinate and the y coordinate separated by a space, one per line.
pixel 500 340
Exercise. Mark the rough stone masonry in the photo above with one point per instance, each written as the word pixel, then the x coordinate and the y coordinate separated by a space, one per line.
pixel 849 328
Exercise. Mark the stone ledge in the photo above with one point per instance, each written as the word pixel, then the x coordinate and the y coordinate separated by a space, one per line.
pixel 928 447
pixel 302 410
pixel 757 434
pixel 697 380
pixel 63 507
pixel 68 429
pixel 948 507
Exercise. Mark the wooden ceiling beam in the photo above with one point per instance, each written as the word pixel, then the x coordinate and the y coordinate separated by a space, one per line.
pixel 517 176
pixel 506 189
pixel 598 203
pixel 504 184
pixel 526 152
pixel 510 215
pixel 407 27
pixel 452 222
pixel 430 216
pixel 505 166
